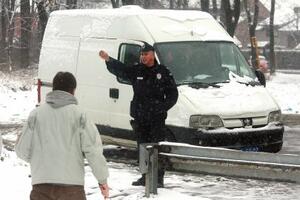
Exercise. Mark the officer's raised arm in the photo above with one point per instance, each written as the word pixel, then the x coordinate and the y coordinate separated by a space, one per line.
pixel 116 67
pixel 104 55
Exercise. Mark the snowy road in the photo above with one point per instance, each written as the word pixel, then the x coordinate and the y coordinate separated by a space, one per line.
pixel 15 184
pixel 177 185
pixel 291 141
pixel 17 98
pixel 210 187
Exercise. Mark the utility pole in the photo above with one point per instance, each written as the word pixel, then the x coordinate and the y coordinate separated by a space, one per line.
pixel 271 45
pixel 252 23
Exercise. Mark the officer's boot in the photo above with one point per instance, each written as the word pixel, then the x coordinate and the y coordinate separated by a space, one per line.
pixel 160 180
pixel 140 181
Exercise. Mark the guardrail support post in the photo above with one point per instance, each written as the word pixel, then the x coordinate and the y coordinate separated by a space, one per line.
pixel 149 166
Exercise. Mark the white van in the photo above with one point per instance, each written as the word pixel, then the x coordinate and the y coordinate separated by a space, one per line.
pixel 221 103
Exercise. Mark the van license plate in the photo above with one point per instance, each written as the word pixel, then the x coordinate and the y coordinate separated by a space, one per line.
pixel 252 148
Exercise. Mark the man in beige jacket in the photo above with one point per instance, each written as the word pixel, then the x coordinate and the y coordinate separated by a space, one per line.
pixel 55 140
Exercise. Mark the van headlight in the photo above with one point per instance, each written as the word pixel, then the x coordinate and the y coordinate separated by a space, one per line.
pixel 275 116
pixel 205 121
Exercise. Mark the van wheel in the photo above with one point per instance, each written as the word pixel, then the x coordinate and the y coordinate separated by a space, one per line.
pixel 273 148
pixel 169 136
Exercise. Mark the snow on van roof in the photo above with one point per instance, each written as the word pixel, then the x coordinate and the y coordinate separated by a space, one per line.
pixel 148 25
pixel 124 11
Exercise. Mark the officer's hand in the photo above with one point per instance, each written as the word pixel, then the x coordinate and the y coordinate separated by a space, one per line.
pixel 103 55
pixel 104 190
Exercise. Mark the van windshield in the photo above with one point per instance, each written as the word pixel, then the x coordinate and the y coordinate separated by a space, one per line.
pixel 203 62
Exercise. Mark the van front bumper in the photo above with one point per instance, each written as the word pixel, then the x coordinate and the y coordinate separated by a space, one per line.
pixel 268 138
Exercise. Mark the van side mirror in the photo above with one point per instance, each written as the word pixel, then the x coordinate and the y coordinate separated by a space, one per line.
pixel 261 77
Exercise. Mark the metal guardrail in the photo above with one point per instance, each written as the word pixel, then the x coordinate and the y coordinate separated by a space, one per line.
pixel 216 161
pixel 291 119
pixel 289 71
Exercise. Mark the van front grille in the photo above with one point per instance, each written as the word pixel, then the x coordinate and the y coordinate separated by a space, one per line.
pixel 254 122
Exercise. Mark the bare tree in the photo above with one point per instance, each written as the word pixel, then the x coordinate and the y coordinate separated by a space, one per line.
pixel 43 18
pixel 231 15
pixel 71 4
pixel 7 31
pixel 172 4
pixel 128 2
pixel 252 23
pixel 25 33
pixel 179 3
pixel 115 3
pixel 148 3
pixel 185 4
pixel 3 36
pixel 215 9
pixel 272 52
pixel 11 30
pixel 4 23
pixel 204 5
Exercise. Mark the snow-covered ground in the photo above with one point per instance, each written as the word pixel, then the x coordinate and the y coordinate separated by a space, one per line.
pixel 285 88
pixel 17 95
pixel 18 98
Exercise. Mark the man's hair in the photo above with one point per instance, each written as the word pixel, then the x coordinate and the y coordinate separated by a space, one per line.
pixel 64 81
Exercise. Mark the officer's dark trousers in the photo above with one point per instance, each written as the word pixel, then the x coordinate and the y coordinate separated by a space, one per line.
pixel 151 132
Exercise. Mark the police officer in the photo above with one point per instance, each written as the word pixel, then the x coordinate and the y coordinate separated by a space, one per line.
pixel 155 92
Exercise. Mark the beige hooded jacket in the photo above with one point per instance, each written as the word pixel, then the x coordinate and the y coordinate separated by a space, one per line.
pixel 56 139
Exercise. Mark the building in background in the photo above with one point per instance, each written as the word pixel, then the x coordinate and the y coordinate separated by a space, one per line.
pixel 286 24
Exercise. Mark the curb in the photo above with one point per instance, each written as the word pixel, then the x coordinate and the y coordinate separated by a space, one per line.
pixel 291 119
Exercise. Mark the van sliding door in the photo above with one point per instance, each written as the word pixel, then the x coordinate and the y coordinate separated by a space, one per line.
pixel 129 54
pixel 105 97
pixel 94 80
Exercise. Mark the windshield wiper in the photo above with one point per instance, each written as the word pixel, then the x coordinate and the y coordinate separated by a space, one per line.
pixel 227 81
pixel 251 83
pixel 183 83
pixel 198 84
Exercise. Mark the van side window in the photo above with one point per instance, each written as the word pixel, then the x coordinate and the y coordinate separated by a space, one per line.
pixel 129 54
pixel 228 58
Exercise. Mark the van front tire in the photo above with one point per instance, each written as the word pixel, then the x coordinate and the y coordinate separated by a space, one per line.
pixel 273 148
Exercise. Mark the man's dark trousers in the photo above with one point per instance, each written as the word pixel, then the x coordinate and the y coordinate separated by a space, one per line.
pixel 57 191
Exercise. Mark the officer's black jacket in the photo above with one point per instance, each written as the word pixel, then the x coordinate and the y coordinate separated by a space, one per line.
pixel 155 91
